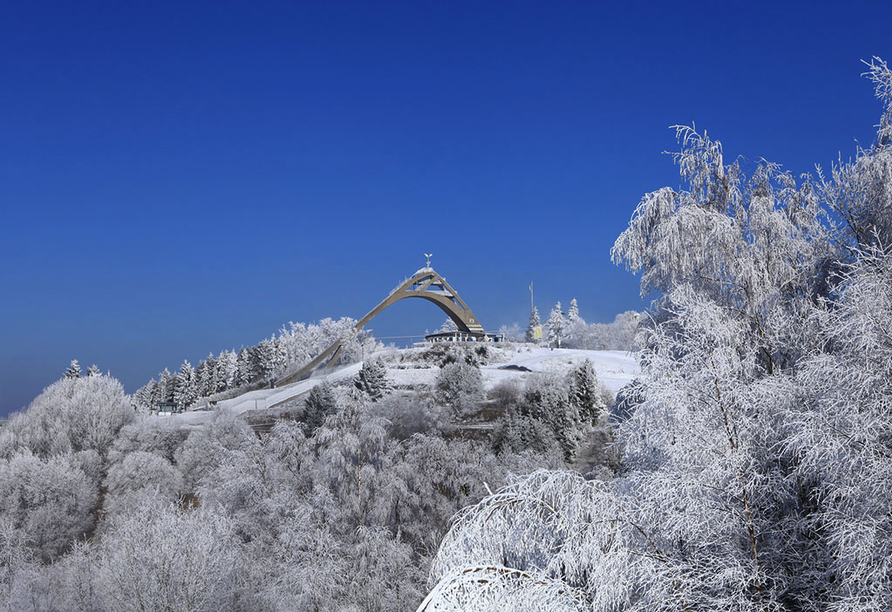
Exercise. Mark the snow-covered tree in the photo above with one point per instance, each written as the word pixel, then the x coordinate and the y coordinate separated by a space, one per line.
pixel 320 402
pixel 533 325
pixel 139 478
pixel 460 386
pixel 372 379
pixel 573 312
pixel 73 370
pixel 585 392
pixel 168 558
pixel 555 325
pixel 186 389
pixel 512 332
pixel 205 384
pixel 145 398
pixel 266 359
pixel 49 501
pixel 447 326
pixel 165 387
pixel 246 367
pixel 546 399
pixel 93 370
pixel 756 457
pixel 71 415
pixel 842 433
pixel 227 370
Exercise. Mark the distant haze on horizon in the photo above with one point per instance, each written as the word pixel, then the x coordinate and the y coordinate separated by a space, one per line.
pixel 177 180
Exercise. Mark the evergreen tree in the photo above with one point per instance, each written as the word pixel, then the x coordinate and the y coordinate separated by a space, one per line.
pixel 585 393
pixel 556 325
pixel 165 388
pixel 265 359
pixel 448 326
pixel 203 376
pixel 244 367
pixel 145 397
pixel 320 402
pixel 372 379
pixel 533 326
pixel 546 399
pixel 93 370
pixel 227 370
pixel 185 392
pixel 74 369
pixel 573 312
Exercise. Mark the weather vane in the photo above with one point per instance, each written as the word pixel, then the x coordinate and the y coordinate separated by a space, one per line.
pixel 428 256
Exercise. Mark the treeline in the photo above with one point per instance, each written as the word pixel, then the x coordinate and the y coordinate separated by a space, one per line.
pixel 288 350
pixel 569 330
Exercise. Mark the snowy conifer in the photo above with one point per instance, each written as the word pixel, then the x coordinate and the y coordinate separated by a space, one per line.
pixel 74 369
pixel 186 391
pixel 165 387
pixel 372 379
pixel 93 370
pixel 533 326
pixel 246 372
pixel 227 370
pixel 573 312
pixel 320 403
pixel 448 326
pixel 555 325
pixel 585 392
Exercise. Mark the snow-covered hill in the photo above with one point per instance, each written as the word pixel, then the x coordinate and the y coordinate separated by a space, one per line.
pixel 615 369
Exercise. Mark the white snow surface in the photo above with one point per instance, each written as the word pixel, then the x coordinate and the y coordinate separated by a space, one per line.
pixel 615 369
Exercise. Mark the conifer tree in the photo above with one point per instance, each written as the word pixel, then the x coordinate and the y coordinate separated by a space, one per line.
pixel 372 379
pixel 244 367
pixel 93 370
pixel 573 312
pixel 448 326
pixel 319 404
pixel 227 370
pixel 533 325
pixel 165 387
pixel 555 325
pixel 74 369
pixel 185 392
pixel 585 392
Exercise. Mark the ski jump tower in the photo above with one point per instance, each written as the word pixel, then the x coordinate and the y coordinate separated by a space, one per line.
pixel 426 284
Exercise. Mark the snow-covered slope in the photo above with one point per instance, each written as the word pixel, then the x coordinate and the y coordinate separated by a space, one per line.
pixel 615 369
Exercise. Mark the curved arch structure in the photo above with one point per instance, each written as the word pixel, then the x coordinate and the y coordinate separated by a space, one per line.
pixel 426 284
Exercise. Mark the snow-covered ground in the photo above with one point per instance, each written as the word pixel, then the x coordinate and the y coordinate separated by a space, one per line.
pixel 615 369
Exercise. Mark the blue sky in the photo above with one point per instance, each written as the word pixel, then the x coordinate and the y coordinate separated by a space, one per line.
pixel 179 178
